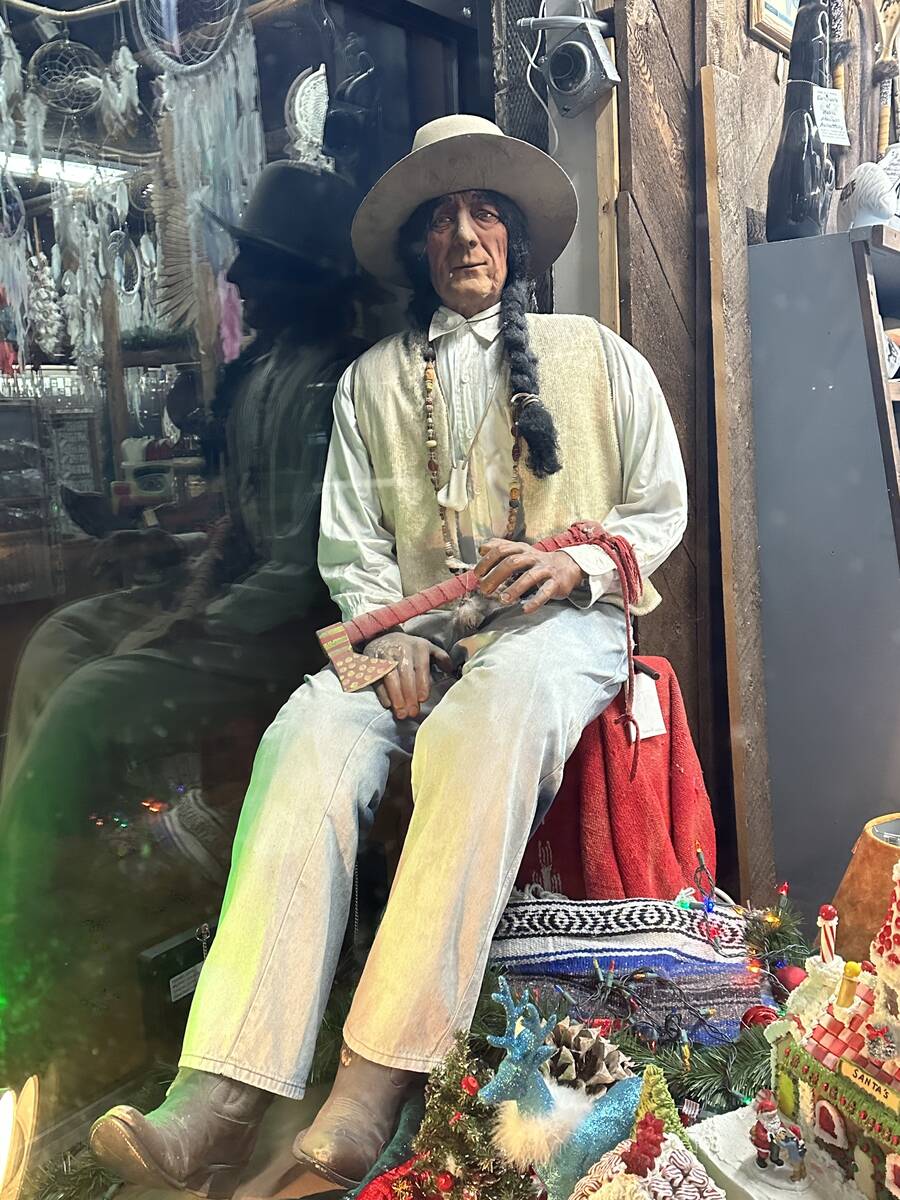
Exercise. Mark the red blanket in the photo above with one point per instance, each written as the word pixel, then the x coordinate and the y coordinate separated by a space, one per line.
pixel 607 838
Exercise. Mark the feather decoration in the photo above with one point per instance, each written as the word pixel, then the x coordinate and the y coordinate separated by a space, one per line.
pixel 11 70
pixel 217 140
pixel 109 103
pixel 10 87
pixel 126 71
pixel 34 112
pixel 176 297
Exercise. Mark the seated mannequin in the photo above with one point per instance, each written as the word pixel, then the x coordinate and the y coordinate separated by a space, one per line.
pixel 479 431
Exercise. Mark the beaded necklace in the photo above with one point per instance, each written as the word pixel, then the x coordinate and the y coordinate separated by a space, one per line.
pixel 514 502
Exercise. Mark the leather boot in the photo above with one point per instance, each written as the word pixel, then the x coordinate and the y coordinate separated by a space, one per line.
pixel 356 1122
pixel 198 1140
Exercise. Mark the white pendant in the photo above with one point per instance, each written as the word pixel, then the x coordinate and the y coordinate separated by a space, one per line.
pixel 455 492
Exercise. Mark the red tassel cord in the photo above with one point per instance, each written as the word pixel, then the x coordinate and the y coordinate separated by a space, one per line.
pixel 625 561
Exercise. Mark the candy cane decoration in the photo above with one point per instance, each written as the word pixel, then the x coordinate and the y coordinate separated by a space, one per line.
pixel 827 922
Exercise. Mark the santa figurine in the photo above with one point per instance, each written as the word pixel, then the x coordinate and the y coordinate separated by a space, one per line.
pixel 770 1134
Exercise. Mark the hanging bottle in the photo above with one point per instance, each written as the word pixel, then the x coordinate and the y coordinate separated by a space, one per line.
pixel 802 177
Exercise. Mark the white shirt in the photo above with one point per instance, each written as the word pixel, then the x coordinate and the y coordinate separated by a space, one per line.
pixel 356 553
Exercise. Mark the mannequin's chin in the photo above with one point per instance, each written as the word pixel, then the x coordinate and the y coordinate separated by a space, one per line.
pixel 469 297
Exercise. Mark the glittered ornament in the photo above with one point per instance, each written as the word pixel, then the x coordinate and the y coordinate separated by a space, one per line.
pixel 470 1085
pixel 789 977
pixel 758 1014
pixel 455 1119
pixel 444 1182
pixel 395 1184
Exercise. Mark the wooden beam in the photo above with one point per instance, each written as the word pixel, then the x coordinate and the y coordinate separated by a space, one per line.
pixel 607 140
pixel 657 145
pixel 724 148
pixel 116 400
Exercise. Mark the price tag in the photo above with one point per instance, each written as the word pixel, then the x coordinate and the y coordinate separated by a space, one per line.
pixel 828 110
pixel 185 983
pixel 890 163
pixel 647 709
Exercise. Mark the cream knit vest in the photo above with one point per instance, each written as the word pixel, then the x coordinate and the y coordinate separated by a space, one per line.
pixel 574 385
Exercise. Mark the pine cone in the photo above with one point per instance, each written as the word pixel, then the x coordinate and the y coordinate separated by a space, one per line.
pixel 584 1059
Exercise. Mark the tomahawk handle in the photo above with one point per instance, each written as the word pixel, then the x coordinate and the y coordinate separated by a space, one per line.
pixel 382 620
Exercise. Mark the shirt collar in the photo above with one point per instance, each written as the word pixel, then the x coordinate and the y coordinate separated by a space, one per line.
pixel 485 325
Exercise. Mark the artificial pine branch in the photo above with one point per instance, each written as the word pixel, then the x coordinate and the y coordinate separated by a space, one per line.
pixel 721 1077
pixel 776 934
pixel 751 1065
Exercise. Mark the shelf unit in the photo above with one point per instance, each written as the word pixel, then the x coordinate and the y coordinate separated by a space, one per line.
pixel 828 493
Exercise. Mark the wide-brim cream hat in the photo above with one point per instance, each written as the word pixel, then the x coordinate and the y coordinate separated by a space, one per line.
pixel 465 153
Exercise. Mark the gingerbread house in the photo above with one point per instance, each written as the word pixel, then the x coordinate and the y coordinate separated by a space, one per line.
pixel 837 1070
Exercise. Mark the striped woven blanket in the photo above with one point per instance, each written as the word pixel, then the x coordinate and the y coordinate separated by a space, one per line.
pixel 549 940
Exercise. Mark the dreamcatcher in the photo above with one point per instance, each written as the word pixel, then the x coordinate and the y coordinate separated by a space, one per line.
pixel 186 36
pixel 210 91
pixel 305 110
pixel 67 76
pixel 63 75
pixel 140 191
pixel 124 266
pixel 14 257
pixel 84 219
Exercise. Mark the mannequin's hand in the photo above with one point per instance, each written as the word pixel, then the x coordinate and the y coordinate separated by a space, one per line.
pixel 553 573
pixel 136 550
pixel 407 688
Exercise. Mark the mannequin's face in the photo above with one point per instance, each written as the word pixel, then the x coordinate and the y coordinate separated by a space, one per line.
pixel 269 286
pixel 466 246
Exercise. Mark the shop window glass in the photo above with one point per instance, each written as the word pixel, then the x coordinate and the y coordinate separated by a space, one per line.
pixel 160 474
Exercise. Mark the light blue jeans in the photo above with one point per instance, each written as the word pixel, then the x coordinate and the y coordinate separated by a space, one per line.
pixel 487 758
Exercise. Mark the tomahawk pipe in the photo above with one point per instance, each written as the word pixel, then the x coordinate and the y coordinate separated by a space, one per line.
pixel 356 671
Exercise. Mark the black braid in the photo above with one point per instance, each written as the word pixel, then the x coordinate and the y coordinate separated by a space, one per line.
pixel 534 419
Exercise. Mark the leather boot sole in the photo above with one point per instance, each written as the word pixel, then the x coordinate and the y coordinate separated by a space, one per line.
pixel 321 1169
pixel 119 1149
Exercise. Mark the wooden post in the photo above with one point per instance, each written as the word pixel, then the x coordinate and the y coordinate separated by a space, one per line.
pixel 726 167
pixel 607 131
pixel 116 401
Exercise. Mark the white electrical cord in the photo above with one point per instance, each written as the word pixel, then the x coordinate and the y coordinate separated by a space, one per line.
pixel 532 56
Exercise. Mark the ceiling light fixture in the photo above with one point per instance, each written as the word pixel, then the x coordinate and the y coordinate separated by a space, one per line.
pixel 68 170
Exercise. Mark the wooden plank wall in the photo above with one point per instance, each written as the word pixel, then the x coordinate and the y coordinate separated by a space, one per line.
pixel 743 92
pixel 663 243
pixel 655 56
